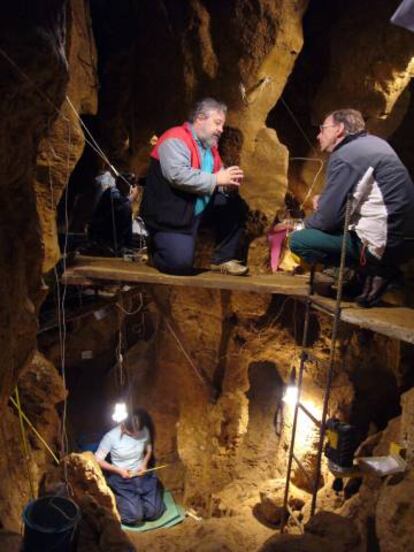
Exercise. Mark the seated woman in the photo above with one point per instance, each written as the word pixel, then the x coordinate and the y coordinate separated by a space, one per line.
pixel 138 494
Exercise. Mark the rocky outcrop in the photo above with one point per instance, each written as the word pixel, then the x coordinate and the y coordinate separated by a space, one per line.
pixel 32 61
pixel 34 126
pixel 39 47
pixel 40 390
pixel 61 148
pixel 86 479
pixel 385 67
pixel 325 532
pixel 100 529
pixel 12 542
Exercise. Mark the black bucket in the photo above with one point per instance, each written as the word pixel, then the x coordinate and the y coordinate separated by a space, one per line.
pixel 50 524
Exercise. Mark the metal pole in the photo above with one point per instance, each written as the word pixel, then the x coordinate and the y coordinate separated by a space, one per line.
pixel 332 352
pixel 295 415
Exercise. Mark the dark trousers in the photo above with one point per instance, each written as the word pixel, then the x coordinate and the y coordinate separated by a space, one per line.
pixel 174 252
pixel 315 246
pixel 138 498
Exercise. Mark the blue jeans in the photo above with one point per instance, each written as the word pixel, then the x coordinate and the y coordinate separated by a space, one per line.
pixel 174 252
pixel 137 499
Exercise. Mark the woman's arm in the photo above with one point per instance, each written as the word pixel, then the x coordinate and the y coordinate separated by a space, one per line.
pixel 146 459
pixel 111 468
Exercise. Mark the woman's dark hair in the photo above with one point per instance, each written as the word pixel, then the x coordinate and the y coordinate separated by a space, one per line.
pixel 135 420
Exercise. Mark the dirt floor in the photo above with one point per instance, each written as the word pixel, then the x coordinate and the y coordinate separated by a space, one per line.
pixel 240 532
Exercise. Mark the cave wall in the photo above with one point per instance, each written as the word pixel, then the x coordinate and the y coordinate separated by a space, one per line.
pixel 46 53
pixel 353 57
pixel 32 39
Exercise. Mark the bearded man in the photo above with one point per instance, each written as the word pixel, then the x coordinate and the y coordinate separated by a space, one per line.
pixel 186 186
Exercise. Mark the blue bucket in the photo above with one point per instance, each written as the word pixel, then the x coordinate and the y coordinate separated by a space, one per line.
pixel 50 524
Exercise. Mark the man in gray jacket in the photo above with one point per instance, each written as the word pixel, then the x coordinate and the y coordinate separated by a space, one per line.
pixel 366 168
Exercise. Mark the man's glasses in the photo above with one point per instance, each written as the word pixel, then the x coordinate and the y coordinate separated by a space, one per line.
pixel 322 127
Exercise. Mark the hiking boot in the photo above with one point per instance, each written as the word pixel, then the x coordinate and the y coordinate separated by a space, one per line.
pixel 233 267
pixel 375 288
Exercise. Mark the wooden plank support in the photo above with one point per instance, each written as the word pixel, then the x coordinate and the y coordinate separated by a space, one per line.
pixel 394 322
pixel 118 270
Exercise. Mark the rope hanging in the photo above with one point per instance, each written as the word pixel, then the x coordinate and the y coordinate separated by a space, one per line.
pixel 25 447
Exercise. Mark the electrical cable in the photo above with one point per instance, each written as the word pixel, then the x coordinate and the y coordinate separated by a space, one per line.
pixel 298 125
pixel 32 427
pixel 25 447
pixel 310 144
pixel 136 311
pixel 314 181
pixel 91 140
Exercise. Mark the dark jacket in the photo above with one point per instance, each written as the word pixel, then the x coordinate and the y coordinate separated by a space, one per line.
pixel 111 224
pixel 175 180
pixel 383 194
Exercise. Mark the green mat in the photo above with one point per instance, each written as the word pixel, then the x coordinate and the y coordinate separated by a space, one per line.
pixel 173 514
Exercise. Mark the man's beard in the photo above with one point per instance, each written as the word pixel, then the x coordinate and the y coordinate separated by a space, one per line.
pixel 212 141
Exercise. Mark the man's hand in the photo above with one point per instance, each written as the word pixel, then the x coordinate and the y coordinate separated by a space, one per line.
pixel 315 202
pixel 124 473
pixel 230 176
pixel 133 193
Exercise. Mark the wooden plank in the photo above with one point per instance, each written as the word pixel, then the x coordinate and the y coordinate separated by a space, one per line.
pixel 117 270
pixel 395 322
pixel 389 320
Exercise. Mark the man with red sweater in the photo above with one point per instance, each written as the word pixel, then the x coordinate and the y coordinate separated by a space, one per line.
pixel 187 185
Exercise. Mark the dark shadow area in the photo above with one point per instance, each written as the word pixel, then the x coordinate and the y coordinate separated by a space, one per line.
pixel 377 396
pixel 287 312
pixel 257 513
pixel 292 115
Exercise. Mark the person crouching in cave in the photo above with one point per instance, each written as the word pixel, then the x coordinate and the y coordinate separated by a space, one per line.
pixel 138 495
pixel 111 223
pixel 187 185
pixel 381 232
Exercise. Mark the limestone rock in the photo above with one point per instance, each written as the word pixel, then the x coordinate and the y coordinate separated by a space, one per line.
pixel 99 530
pixel 41 389
pixel 271 501
pixel 271 509
pixel 86 478
pixel 321 532
pixel 32 42
pixel 407 425
pixel 295 543
pixel 386 66
pixel 62 147
pixel 395 513
pixel 12 542
pixel 334 528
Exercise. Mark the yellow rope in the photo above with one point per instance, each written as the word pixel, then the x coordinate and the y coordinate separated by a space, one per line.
pixel 135 474
pixel 156 468
pixel 29 423
pixel 24 442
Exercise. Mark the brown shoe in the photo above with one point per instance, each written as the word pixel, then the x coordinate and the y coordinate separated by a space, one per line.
pixel 233 267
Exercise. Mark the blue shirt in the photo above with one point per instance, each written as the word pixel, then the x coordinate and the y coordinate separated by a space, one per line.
pixel 207 165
